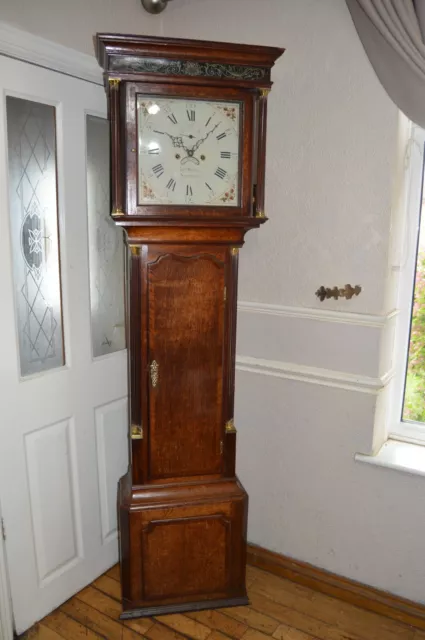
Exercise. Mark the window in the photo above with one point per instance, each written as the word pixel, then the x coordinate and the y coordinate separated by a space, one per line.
pixel 106 247
pixel 409 384
pixel 31 133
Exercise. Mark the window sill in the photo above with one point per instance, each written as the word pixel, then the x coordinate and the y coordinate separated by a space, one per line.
pixel 401 456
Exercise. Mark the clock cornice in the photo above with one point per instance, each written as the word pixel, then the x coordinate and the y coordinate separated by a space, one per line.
pixel 188 61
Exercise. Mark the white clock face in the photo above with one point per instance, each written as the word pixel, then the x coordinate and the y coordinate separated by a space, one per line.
pixel 188 152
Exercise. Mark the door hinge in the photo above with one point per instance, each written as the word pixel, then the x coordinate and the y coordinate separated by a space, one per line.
pixel 221 447
pixel 3 530
pixel 225 294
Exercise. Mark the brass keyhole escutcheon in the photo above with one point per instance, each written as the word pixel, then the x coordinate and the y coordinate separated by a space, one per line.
pixel 154 368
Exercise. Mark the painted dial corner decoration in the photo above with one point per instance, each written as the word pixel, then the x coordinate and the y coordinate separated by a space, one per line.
pixel 188 152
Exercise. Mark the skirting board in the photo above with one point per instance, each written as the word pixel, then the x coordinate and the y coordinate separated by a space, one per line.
pixel 355 593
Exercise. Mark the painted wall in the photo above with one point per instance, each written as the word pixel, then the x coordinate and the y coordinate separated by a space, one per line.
pixel 309 372
pixel 331 150
pixel 73 23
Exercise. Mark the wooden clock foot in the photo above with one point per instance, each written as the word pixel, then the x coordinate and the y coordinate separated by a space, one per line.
pixel 183 547
pixel 182 608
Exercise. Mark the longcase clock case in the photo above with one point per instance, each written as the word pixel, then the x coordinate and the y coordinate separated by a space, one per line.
pixel 182 510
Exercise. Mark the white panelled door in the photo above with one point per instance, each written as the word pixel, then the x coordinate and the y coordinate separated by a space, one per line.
pixel 63 370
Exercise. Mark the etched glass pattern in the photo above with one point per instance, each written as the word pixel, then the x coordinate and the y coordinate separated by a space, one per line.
pixel 106 248
pixel 31 130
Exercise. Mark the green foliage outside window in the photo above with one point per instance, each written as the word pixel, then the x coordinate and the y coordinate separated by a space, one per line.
pixel 414 400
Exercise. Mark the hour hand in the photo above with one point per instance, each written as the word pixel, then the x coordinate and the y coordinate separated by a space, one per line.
pixel 176 140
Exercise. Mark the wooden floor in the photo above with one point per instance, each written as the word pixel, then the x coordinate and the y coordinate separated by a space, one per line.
pixel 279 609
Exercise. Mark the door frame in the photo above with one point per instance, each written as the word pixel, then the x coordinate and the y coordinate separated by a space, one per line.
pixel 22 45
pixel 6 615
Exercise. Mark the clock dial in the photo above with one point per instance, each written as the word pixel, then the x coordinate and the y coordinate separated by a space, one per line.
pixel 188 152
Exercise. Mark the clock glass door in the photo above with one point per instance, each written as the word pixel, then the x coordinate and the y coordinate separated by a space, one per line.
pixel 186 311
pixel 189 151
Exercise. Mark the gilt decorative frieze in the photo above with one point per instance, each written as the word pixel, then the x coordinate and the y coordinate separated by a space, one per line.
pixel 129 64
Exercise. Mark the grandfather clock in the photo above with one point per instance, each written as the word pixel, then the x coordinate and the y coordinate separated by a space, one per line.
pixel 188 122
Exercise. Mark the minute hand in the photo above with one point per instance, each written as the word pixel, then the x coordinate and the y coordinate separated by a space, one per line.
pixel 198 144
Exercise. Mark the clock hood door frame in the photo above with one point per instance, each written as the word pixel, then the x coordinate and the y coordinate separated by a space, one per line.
pixel 247 101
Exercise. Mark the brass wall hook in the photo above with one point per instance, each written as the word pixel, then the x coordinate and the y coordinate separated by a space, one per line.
pixel 325 293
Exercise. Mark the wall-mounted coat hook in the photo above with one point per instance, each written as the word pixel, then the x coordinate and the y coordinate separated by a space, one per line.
pixel 325 293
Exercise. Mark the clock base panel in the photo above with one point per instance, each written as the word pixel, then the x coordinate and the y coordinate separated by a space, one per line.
pixel 182 546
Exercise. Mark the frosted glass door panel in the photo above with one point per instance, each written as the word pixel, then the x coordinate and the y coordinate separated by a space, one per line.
pixel 31 131
pixel 106 248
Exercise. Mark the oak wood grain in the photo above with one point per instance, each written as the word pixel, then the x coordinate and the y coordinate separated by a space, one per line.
pixel 368 626
pixel 111 586
pixel 254 634
pixel 349 591
pixel 98 622
pixel 161 632
pixel 253 619
pixel 296 619
pixel 68 628
pixel 283 610
pixel 201 536
pixel 186 626
pixel 41 632
pixel 114 573
pixel 283 632
pixel 217 635
pixel 182 548
pixel 219 621
pixel 111 608
pixel 186 332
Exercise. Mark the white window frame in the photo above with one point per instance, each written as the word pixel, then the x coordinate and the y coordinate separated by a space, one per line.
pixel 399 429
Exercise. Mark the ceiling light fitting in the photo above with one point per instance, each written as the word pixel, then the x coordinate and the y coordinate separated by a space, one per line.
pixel 155 6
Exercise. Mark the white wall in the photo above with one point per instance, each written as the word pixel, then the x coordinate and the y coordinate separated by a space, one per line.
pixel 306 386
pixel 331 150
pixel 73 23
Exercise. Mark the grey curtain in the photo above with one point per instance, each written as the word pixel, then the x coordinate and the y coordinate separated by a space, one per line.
pixel 393 36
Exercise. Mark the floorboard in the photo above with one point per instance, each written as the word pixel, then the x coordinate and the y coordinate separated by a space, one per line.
pixel 279 610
